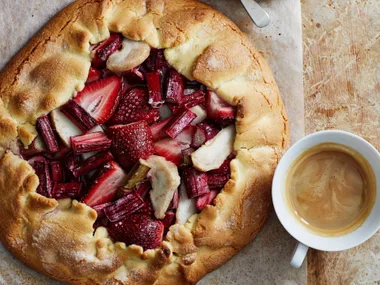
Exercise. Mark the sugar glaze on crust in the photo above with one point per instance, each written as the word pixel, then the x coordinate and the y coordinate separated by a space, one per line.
pixel 57 238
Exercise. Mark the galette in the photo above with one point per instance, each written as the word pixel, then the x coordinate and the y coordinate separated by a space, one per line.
pixel 138 141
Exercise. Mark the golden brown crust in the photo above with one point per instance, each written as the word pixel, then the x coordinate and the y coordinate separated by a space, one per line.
pixel 57 238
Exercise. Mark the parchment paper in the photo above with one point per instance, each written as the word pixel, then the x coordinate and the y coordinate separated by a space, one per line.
pixel 266 260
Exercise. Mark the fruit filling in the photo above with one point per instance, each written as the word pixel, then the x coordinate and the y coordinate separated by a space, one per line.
pixel 142 145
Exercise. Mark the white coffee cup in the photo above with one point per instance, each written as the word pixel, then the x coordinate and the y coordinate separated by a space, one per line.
pixel 304 236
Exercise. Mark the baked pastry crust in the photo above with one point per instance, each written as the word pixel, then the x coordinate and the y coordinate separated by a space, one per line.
pixel 56 238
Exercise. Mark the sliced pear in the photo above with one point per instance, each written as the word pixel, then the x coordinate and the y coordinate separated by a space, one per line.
pixel 186 207
pixel 201 114
pixel 214 152
pixel 132 54
pixel 64 126
pixel 165 180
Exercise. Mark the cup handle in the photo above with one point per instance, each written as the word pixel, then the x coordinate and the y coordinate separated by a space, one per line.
pixel 298 255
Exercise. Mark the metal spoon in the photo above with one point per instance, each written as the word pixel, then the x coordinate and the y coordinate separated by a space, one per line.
pixel 258 15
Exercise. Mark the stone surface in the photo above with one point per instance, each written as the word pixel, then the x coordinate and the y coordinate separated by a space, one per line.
pixel 266 260
pixel 341 42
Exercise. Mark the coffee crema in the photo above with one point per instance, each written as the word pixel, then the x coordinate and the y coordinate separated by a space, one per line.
pixel 331 189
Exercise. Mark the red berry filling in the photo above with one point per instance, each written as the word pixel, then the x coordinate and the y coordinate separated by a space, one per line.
pixel 148 111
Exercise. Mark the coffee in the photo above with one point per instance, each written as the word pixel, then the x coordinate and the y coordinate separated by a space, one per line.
pixel 331 189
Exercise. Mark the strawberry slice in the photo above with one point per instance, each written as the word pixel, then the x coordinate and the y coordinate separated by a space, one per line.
pixel 180 122
pixel 174 87
pixel 158 130
pixel 219 110
pixel 134 107
pixel 205 199
pixel 170 149
pixel 93 75
pixel 100 98
pixel 138 229
pixel 124 207
pixel 195 182
pixel 154 86
pixel 106 184
pixel 131 142
pixel 103 50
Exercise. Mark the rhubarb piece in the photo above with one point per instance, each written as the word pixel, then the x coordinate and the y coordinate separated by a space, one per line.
pixel 100 98
pixel 200 112
pixel 174 203
pixel 158 130
pixel 103 50
pixel 124 207
pixel 131 54
pixel 161 63
pixel 134 76
pixel 168 220
pixel 93 75
pixel 143 188
pixel 91 163
pixel 45 130
pixel 90 142
pixel 138 229
pixel 164 112
pixel 205 199
pixel 150 63
pixel 217 181
pixel 180 122
pixel 210 129
pixel 41 168
pixel 165 180
pixel 224 169
pixel 199 137
pixel 189 90
pixel 105 185
pixel 214 152
pixel 195 182
pixel 186 207
pixel 174 108
pixel 78 116
pixel 196 98
pixel 67 190
pixel 101 222
pixel 100 209
pixel 57 171
pixel 154 87
pixel 185 137
pixel 136 175
pixel 64 126
pixel 174 87
pixel 219 110
pixel 131 142
pixel 186 157
pixel 170 149
pixel 134 107
pixel 36 147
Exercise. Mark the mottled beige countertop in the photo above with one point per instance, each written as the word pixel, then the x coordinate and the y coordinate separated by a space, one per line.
pixel 341 50
pixel 341 43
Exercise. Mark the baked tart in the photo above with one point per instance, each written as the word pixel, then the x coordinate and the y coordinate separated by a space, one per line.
pixel 138 140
